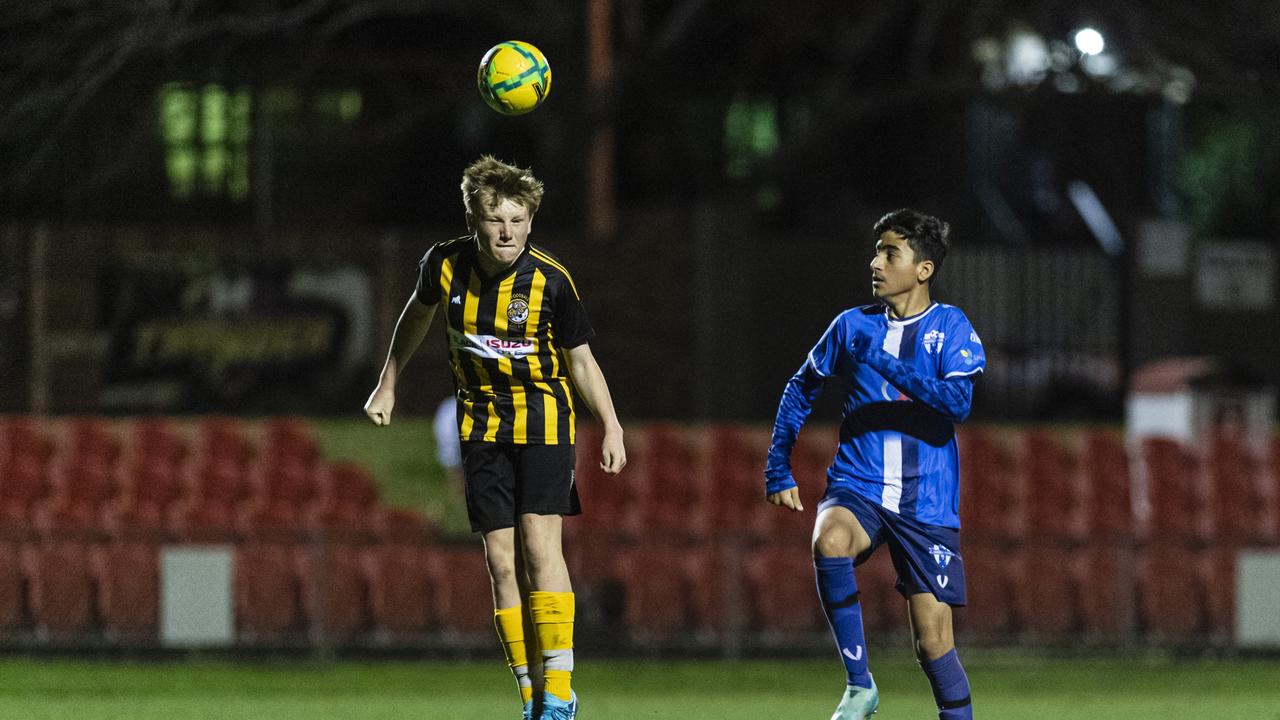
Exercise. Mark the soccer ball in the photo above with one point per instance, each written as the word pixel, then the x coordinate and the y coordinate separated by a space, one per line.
pixel 514 77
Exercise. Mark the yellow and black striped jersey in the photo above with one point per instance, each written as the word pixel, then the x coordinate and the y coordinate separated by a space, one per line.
pixel 505 335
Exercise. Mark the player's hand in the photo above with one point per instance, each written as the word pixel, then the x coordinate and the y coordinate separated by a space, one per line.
pixel 860 346
pixel 789 498
pixel 613 454
pixel 378 406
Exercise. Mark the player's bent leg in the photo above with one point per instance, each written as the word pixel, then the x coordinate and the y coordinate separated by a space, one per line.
pixel 509 612
pixel 500 558
pixel 533 652
pixel 934 636
pixel 540 537
pixel 837 538
pixel 551 603
pixel 837 533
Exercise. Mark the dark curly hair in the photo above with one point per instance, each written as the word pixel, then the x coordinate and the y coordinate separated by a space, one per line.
pixel 929 237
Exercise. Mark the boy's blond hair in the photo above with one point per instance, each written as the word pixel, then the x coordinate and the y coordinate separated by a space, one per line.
pixel 488 181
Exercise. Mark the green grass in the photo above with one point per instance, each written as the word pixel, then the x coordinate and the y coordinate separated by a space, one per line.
pixel 1004 687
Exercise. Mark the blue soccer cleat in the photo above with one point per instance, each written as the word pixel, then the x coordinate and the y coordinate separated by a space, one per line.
pixel 858 703
pixel 553 708
pixel 528 711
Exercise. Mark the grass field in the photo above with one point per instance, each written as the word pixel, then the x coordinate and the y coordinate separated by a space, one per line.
pixel 1005 687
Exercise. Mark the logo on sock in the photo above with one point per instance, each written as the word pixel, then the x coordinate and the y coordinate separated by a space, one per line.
pixel 852 656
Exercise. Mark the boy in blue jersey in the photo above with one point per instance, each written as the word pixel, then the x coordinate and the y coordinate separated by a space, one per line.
pixel 910 364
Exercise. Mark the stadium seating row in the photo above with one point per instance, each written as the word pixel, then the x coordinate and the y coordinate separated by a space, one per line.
pixel 654 591
pixel 81 522
pixel 1017 484
pixel 158 481
pixel 697 480
pixel 1065 537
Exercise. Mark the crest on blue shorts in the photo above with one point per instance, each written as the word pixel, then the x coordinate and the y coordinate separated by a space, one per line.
pixel 941 554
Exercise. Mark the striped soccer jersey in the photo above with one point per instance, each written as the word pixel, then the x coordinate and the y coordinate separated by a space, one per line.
pixel 505 335
pixel 896 451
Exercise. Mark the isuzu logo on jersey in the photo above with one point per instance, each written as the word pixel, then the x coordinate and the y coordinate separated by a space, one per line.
pixel 490 346
pixel 518 309
pixel 933 341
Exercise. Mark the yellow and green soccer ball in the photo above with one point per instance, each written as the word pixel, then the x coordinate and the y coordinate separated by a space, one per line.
pixel 514 77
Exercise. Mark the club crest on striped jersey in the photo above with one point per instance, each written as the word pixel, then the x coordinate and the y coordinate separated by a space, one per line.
pixel 933 341
pixel 518 309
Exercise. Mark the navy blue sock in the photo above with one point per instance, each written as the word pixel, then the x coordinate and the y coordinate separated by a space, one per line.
pixel 950 686
pixel 839 592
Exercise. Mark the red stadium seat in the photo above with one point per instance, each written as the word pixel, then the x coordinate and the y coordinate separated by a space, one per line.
pixel 211 509
pixel 995 577
pixel 992 487
pixel 1106 606
pixel 1240 487
pixel 62 589
pixel 25 452
pixel 1056 503
pixel 286 490
pixel 781 593
pixel 153 479
pixel 269 589
pixel 737 473
pixel 1272 482
pixel 289 440
pixel 464 593
pixel 1176 592
pixel 13 597
pixel 91 439
pixel 678 481
pixel 1055 587
pixel 1175 489
pixel 351 502
pixel 84 477
pixel 337 588
pixel 129 591
pixel 672 591
pixel 404 590
pixel 1109 500
pixel 609 502
pixel 222 439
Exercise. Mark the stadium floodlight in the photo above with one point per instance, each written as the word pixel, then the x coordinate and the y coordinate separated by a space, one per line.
pixel 1090 41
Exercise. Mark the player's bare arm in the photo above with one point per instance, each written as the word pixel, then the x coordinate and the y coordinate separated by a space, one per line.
pixel 589 380
pixel 412 326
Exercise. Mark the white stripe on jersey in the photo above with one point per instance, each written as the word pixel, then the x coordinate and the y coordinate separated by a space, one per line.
pixel 892 493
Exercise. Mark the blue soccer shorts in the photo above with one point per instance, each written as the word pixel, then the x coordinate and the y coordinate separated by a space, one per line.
pixel 926 557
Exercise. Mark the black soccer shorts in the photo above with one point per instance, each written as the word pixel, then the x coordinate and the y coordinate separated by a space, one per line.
pixel 505 480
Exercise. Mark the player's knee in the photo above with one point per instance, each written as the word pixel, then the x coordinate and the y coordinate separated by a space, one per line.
pixel 833 542
pixel 540 558
pixel 501 570
pixel 933 644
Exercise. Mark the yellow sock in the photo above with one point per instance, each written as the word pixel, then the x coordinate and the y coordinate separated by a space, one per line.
pixel 553 623
pixel 510 625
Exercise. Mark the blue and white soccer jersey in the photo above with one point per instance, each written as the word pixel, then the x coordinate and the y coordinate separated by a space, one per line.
pixel 896 451
pixel 897 466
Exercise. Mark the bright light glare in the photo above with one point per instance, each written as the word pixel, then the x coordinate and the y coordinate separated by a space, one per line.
pixel 1089 41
